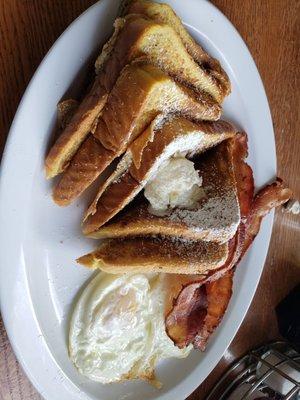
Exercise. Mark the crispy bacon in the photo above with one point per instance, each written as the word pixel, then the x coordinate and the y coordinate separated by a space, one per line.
pixel 188 314
pixel 201 303
pixel 270 196
pixel 218 294
pixel 198 310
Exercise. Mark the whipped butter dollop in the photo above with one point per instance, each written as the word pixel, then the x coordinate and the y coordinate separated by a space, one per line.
pixel 117 330
pixel 176 184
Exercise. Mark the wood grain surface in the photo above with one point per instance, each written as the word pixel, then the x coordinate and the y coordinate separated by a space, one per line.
pixel 271 29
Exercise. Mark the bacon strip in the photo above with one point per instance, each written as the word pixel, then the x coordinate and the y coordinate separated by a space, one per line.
pixel 270 196
pixel 198 310
pixel 218 295
pixel 201 303
pixel 188 314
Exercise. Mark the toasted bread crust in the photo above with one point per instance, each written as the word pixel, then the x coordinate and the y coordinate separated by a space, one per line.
pixel 91 159
pixel 143 255
pixel 76 131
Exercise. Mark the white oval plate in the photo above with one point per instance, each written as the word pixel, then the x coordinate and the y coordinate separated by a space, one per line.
pixel 40 241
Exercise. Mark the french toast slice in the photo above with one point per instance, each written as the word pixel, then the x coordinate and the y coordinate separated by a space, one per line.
pixel 135 37
pixel 155 254
pixel 163 13
pixel 141 93
pixel 147 153
pixel 138 36
pixel 76 131
pixel 216 217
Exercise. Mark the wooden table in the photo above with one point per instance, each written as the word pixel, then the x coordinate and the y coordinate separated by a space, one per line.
pixel 271 28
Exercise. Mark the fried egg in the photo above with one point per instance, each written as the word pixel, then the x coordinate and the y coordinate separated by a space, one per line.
pixel 117 330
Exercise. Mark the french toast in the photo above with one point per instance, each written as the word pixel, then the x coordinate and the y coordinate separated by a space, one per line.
pixel 135 37
pixel 76 131
pixel 141 93
pixel 65 111
pixel 194 310
pixel 155 254
pixel 163 13
pixel 216 217
pixel 144 157
pixel 138 36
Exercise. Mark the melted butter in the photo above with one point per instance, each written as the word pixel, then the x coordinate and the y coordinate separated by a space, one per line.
pixel 176 184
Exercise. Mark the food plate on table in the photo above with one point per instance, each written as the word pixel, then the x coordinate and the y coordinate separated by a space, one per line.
pixel 40 281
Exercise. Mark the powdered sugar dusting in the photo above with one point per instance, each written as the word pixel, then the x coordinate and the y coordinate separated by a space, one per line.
pixel 216 215
pixel 199 255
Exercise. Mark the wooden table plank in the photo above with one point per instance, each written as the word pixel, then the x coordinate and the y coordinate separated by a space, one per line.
pixel 271 30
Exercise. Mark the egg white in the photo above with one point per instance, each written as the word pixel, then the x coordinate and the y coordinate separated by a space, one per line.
pixel 117 329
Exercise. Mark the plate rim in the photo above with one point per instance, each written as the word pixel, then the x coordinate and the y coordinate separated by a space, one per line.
pixel 6 164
